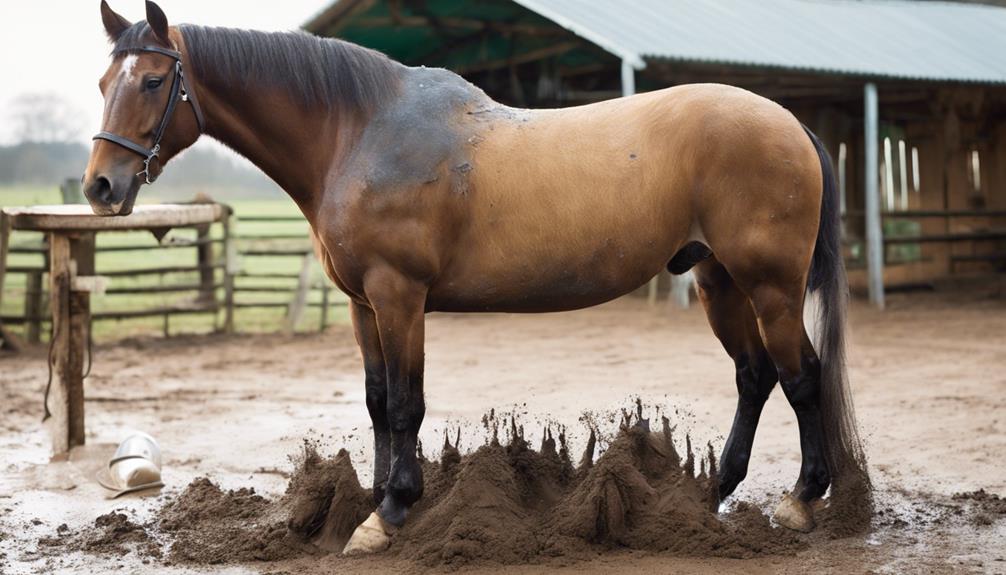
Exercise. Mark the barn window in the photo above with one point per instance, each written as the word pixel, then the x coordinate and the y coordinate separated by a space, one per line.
pixel 976 171
pixel 915 169
pixel 887 171
pixel 903 173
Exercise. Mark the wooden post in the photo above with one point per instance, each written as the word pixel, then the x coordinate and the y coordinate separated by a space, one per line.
pixel 296 309
pixel 205 260
pixel 4 241
pixel 33 307
pixel 230 268
pixel 874 231
pixel 324 303
pixel 70 256
pixel 72 192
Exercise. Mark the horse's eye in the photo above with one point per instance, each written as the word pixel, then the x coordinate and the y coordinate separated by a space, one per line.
pixel 154 83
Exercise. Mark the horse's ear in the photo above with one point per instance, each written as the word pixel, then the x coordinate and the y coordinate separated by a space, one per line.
pixel 158 22
pixel 115 25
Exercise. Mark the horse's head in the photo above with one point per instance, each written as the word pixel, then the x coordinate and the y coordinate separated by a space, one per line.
pixel 147 119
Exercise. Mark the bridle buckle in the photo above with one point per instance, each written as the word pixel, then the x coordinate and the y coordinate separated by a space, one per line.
pixel 146 165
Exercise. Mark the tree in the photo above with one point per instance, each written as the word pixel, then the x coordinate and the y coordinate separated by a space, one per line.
pixel 45 117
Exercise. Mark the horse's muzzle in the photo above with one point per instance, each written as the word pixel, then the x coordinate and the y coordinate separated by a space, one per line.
pixel 110 196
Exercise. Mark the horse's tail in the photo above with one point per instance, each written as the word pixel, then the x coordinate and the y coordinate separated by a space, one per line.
pixel 843 447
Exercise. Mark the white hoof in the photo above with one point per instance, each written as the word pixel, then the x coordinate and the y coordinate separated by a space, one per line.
pixel 371 536
pixel 794 514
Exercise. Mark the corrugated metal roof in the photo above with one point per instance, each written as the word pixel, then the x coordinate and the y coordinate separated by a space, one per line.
pixel 881 38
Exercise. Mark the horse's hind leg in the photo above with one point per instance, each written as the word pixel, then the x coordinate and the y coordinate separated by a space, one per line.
pixel 778 305
pixel 734 323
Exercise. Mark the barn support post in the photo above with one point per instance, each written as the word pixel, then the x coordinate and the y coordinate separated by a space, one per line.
pixel 628 89
pixel 874 231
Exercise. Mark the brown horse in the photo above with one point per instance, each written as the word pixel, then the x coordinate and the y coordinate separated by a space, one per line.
pixel 425 195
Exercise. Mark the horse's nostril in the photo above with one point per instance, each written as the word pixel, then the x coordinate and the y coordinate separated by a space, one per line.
pixel 100 190
pixel 103 189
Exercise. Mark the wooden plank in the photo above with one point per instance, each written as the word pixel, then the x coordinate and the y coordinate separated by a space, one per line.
pixel 163 289
pixel 946 238
pixel 157 271
pixel 279 304
pixel 77 217
pixel 33 307
pixel 6 339
pixel 278 252
pixel 201 244
pixel 273 219
pixel 263 237
pixel 917 214
pixel 158 311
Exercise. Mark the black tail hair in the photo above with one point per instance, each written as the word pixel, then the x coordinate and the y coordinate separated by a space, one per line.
pixel 843 447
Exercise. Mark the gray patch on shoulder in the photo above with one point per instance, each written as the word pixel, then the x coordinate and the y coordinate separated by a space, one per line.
pixel 419 138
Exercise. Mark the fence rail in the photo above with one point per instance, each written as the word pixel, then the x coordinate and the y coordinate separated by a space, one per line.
pixel 224 265
pixel 988 241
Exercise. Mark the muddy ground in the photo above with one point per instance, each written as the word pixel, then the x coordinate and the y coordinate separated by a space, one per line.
pixel 928 377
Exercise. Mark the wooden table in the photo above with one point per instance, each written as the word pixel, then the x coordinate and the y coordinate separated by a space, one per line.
pixel 71 230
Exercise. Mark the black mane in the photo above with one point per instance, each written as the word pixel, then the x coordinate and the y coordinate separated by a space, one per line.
pixel 318 72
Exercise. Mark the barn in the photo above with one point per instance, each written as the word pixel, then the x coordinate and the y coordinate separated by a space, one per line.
pixel 909 96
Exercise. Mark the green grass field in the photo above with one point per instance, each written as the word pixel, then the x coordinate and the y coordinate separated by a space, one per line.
pixel 246 320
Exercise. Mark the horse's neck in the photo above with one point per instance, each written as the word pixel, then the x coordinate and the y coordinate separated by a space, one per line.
pixel 293 146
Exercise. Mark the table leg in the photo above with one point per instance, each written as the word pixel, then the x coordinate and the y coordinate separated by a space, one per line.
pixel 71 314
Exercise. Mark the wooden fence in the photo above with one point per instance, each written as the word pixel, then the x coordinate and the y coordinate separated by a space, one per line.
pixel 221 279
pixel 255 243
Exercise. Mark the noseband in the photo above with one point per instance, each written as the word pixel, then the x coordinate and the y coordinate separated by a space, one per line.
pixel 179 93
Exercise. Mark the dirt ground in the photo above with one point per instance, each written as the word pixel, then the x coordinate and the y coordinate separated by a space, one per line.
pixel 929 378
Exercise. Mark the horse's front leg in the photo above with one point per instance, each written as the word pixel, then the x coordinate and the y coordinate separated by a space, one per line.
pixel 376 382
pixel 398 306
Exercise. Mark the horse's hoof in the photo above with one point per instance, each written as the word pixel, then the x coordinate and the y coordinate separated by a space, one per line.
pixel 794 514
pixel 371 536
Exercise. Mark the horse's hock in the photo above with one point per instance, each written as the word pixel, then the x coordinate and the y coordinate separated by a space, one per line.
pixel 71 230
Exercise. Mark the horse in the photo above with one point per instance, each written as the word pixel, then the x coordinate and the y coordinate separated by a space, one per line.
pixel 424 195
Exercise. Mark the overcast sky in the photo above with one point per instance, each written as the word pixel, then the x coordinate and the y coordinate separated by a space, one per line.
pixel 59 46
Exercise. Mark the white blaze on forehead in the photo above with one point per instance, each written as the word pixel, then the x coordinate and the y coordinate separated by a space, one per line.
pixel 128 63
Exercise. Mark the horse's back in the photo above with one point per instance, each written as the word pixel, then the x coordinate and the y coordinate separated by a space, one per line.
pixel 587 203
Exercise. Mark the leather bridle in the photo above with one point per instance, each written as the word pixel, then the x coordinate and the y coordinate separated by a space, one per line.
pixel 179 93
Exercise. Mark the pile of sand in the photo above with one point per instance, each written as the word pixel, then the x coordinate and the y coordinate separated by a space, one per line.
pixel 503 503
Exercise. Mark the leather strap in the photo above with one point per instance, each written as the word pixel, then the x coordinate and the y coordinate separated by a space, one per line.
pixel 128 144
pixel 178 92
